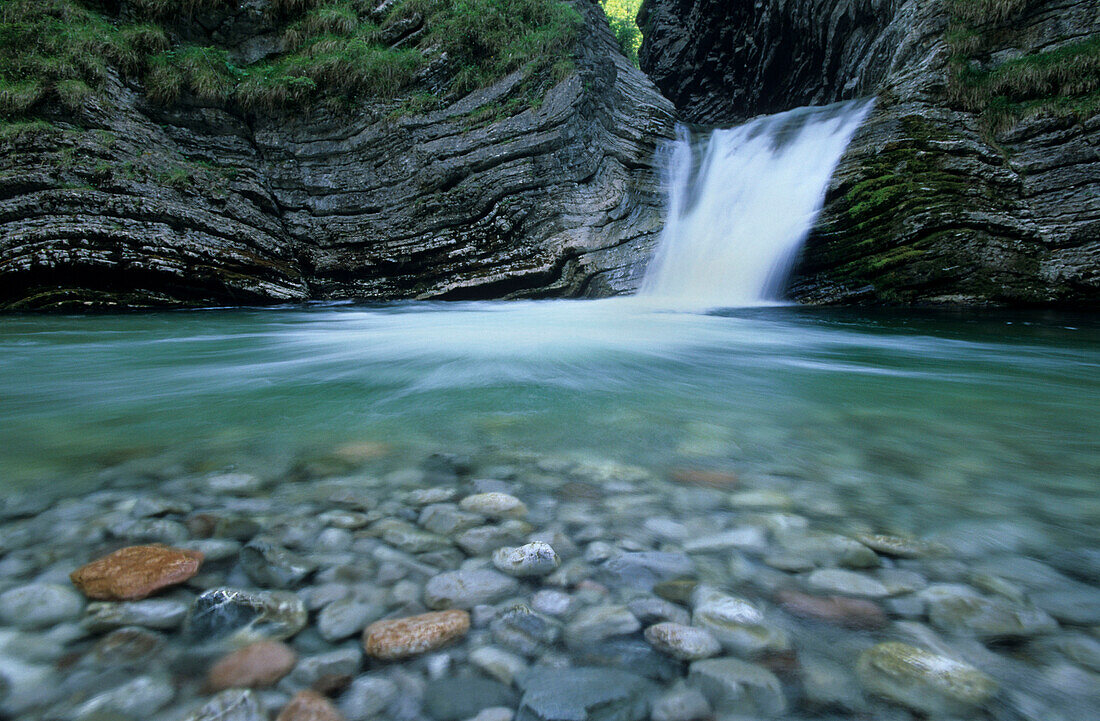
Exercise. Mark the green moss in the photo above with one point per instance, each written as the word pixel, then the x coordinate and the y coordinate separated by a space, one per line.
pixel 20 130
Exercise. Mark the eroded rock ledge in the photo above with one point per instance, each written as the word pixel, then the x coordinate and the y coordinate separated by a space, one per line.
pixel 134 205
pixel 937 200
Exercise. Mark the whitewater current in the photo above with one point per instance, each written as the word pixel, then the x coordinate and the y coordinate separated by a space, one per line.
pixel 741 201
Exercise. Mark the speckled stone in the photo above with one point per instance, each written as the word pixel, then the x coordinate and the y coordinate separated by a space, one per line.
pixel 531 559
pixel 412 635
pixel 683 642
pixel 135 572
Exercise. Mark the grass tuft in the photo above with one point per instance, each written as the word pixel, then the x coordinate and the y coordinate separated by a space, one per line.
pixel 981 12
pixel 1060 83
pixel 62 51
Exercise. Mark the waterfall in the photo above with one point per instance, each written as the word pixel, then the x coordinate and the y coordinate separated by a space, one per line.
pixel 741 202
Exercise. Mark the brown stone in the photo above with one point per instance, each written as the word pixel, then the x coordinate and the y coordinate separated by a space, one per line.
pixel 332 684
pixel 126 646
pixel 135 572
pixel 838 610
pixel 362 451
pixel 309 706
pixel 703 477
pixel 412 635
pixel 258 665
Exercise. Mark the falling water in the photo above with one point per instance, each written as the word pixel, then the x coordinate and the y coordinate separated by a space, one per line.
pixel 741 202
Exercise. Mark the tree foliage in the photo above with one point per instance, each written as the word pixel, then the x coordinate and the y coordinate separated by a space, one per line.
pixel 623 17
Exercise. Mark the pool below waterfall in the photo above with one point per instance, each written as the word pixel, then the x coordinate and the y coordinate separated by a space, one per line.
pixel 816 490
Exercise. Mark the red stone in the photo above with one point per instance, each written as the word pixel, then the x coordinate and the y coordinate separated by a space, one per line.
pixel 837 610
pixel 309 706
pixel 135 572
pixel 703 477
pixel 258 665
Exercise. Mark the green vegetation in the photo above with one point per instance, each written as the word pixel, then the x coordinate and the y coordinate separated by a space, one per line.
pixel 987 11
pixel 59 52
pixel 623 16
pixel 1064 82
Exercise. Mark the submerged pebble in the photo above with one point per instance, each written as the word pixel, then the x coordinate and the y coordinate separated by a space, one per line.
pixel 135 572
pixel 532 559
pixel 413 635
pixel 683 642
pixel 603 594
pixel 923 681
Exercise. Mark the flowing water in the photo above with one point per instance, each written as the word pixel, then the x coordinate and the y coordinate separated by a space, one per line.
pixel 741 202
pixel 910 405
pixel 928 418
pixel 748 444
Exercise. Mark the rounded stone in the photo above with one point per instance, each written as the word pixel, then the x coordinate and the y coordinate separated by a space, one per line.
pixel 346 617
pixel 258 665
pixel 151 613
pixel 837 610
pixel 38 605
pixel 683 642
pixel 681 704
pixel 232 705
pixel 135 572
pixel 737 687
pixel 272 566
pixel 404 637
pixel 367 697
pixel 126 646
pixel 923 681
pixel 140 697
pixel 467 588
pixel 901 547
pixel 988 618
pixel 579 694
pixel 531 559
pixel 599 622
pixel 552 602
pixel 309 706
pixel 494 505
pixel 245 616
pixel 498 663
pixel 846 583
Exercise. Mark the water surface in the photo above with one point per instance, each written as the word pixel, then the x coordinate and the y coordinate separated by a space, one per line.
pixel 920 419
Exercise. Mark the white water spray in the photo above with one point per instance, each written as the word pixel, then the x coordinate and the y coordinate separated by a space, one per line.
pixel 742 202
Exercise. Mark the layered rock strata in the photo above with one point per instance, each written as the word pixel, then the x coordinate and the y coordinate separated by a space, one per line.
pixel 132 204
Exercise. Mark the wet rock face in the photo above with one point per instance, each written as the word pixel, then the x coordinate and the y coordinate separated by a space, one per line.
pixel 722 61
pixel 561 200
pixel 929 205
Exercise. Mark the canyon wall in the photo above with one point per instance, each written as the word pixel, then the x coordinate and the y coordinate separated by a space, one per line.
pixel 124 202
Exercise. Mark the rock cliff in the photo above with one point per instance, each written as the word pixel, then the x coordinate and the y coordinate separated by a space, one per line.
pixel 121 201
pixel 977 177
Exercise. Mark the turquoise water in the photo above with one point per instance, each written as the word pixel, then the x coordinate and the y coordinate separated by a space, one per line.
pixel 908 421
